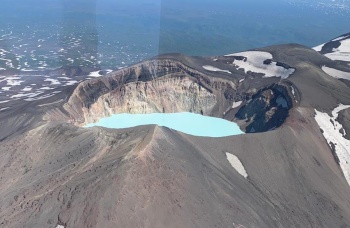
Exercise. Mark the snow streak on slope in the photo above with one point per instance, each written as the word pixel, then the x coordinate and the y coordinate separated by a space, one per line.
pixel 336 73
pixel 261 62
pixel 237 164
pixel 211 68
pixel 334 133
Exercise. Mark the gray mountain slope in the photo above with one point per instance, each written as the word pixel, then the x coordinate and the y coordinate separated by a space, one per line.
pixel 155 177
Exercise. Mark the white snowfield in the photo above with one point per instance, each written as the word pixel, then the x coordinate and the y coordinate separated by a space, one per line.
pixel 94 74
pixel 336 73
pixel 211 68
pixel 341 53
pixel 334 136
pixel 255 63
pixel 236 164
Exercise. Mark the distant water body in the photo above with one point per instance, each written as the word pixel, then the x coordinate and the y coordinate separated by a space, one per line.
pixel 189 123
pixel 111 34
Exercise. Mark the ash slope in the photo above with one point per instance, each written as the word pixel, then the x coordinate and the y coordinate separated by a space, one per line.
pixel 54 172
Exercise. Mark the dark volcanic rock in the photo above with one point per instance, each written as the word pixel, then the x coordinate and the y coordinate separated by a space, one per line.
pixel 267 110
pixel 344 120
pixel 328 47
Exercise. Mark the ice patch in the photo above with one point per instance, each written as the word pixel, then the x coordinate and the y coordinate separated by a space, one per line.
pixel 332 133
pixel 211 68
pixel 59 226
pixel 336 73
pixel 254 62
pixel 236 164
pixel 6 88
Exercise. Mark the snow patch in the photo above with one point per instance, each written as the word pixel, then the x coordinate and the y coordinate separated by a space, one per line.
pixel 27 88
pixel 318 48
pixel 335 137
pixel 336 73
pixel 3 109
pixel 236 104
pixel 339 38
pixel 53 81
pixel 6 88
pixel 12 82
pixel 236 164
pixel 45 88
pixel 211 68
pixel 55 102
pixel 94 74
pixel 43 96
pixel 254 62
pixel 69 83
pixel 66 78
pixel 293 91
pixel 27 95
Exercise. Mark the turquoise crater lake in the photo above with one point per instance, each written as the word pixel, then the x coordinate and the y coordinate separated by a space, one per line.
pixel 189 123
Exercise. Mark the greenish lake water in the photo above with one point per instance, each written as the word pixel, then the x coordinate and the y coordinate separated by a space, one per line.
pixel 189 123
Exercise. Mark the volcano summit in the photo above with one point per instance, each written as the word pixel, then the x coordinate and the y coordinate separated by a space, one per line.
pixel 290 169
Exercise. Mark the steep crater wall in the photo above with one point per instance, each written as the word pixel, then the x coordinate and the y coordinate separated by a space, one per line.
pixel 153 86
pixel 163 95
